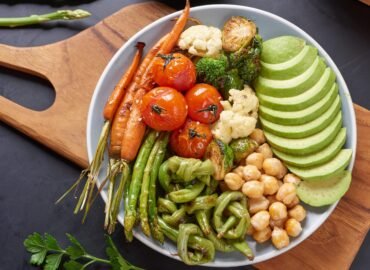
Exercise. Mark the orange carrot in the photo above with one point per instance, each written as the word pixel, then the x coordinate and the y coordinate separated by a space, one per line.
pixel 116 96
pixel 135 129
pixel 123 112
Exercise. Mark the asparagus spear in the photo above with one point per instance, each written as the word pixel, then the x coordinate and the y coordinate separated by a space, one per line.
pixel 36 19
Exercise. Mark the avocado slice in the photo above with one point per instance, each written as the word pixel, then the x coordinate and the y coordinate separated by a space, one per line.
pixel 281 49
pixel 301 101
pixel 301 116
pixel 291 68
pixel 328 169
pixel 316 158
pixel 324 192
pixel 308 144
pixel 304 130
pixel 293 86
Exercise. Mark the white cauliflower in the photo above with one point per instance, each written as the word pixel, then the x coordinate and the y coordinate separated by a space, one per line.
pixel 201 40
pixel 238 119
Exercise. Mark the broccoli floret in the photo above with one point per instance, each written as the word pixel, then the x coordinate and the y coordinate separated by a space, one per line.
pixel 247 60
pixel 211 70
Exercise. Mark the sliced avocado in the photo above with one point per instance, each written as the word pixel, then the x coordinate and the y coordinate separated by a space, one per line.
pixel 301 101
pixel 293 86
pixel 304 130
pixel 281 49
pixel 291 68
pixel 324 192
pixel 302 116
pixel 307 145
pixel 316 158
pixel 328 169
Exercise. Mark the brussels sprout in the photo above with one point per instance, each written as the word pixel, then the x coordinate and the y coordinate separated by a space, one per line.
pixel 222 158
pixel 231 81
pixel 242 147
pixel 237 33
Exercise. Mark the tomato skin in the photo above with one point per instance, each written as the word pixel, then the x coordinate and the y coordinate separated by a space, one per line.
pixel 174 70
pixel 164 108
pixel 191 140
pixel 204 103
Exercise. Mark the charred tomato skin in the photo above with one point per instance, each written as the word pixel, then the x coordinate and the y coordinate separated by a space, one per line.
pixel 164 109
pixel 191 140
pixel 174 70
pixel 204 103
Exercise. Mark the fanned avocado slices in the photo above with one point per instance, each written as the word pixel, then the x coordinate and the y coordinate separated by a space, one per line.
pixel 324 192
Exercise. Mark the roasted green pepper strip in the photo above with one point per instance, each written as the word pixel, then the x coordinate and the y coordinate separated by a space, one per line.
pixel 201 203
pixel 204 255
pixel 186 194
pixel 177 217
pixel 244 248
pixel 166 206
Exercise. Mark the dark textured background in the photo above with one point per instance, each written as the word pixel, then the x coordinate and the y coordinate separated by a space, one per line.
pixel 32 177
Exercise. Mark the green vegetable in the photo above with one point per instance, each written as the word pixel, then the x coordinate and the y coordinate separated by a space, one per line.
pixel 247 60
pixel 231 81
pixel 187 194
pixel 176 218
pixel 136 180
pixel 237 33
pixel 222 157
pixel 201 203
pixel 242 147
pixel 46 252
pixel 36 19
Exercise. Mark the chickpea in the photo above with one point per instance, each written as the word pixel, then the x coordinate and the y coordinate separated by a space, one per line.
pixel 255 159
pixel 258 135
pixel 261 220
pixel 286 193
pixel 262 235
pixel 291 178
pixel 253 189
pixel 223 186
pixel 270 184
pixel 233 181
pixel 293 227
pixel 259 204
pixel 279 238
pixel 278 223
pixel 239 170
pixel 272 199
pixel 278 211
pixel 280 183
pixel 251 172
pixel 293 203
pixel 265 150
pixel 298 213
pixel 274 167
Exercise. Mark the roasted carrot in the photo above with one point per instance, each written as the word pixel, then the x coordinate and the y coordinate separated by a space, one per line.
pixel 116 96
pixel 123 112
pixel 135 129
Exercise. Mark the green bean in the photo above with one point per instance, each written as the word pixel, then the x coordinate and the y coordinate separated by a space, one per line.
pixel 166 206
pixel 236 225
pixel 201 203
pixel 202 217
pixel 137 176
pixel 186 194
pixel 206 252
pixel 244 248
pixel 144 194
pixel 152 209
pixel 177 217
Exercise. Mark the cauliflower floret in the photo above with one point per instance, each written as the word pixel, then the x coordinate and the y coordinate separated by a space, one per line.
pixel 201 40
pixel 238 119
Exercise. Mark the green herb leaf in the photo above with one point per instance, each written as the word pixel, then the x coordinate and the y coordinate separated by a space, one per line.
pixel 76 250
pixel 72 265
pixel 51 243
pixel 34 243
pixel 53 261
pixel 38 258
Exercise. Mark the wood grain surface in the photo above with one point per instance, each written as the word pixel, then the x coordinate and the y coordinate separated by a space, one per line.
pixel 74 66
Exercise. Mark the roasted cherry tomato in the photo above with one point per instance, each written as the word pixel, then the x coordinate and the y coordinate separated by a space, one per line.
pixel 191 140
pixel 174 70
pixel 204 103
pixel 164 108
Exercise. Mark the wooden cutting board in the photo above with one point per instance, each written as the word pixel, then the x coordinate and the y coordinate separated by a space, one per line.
pixel 73 67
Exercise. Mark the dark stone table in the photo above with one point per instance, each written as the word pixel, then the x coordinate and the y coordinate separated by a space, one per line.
pixel 32 177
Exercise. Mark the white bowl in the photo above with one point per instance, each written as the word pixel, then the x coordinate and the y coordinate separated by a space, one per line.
pixel 269 26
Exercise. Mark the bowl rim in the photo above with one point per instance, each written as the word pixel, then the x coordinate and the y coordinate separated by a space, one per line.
pixel 339 78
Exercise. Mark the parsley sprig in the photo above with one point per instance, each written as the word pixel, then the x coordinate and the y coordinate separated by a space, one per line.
pixel 46 252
